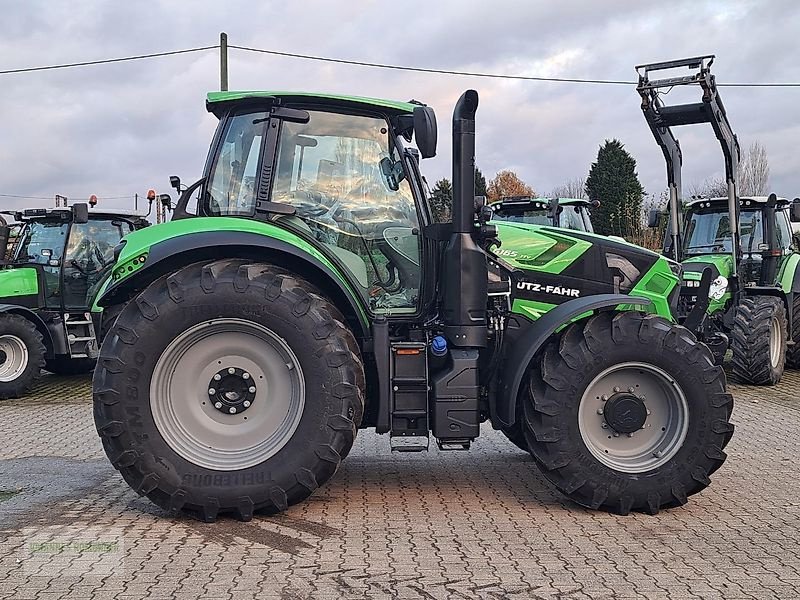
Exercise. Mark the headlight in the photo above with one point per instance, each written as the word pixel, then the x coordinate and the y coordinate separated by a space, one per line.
pixel 718 288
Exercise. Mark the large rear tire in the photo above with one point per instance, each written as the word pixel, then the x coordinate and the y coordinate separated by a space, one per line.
pixel 793 351
pixel 22 354
pixel 627 412
pixel 758 340
pixel 228 387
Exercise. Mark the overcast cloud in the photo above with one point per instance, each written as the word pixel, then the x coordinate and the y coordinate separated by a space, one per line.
pixel 118 129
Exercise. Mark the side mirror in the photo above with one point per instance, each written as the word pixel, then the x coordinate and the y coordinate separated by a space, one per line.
pixel 654 218
pixel 80 213
pixel 175 182
pixel 425 130
pixel 392 173
pixel 794 211
pixel 166 201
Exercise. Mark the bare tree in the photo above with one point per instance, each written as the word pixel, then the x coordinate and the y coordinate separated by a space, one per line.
pixel 754 171
pixel 574 188
pixel 713 187
pixel 507 183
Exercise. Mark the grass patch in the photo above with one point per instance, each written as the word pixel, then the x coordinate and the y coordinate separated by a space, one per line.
pixel 7 494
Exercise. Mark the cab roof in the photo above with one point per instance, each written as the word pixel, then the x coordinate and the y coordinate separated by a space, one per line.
pixel 33 213
pixel 522 201
pixel 743 199
pixel 216 99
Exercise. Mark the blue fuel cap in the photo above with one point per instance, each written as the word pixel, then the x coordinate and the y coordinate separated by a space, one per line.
pixel 439 346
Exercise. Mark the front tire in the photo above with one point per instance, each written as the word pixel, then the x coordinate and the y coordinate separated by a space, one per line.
pixel 758 340
pixel 288 390
pixel 22 355
pixel 627 412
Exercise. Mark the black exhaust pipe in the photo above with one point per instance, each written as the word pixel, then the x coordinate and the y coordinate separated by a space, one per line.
pixel 464 282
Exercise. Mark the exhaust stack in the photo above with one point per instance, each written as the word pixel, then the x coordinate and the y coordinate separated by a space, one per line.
pixel 464 282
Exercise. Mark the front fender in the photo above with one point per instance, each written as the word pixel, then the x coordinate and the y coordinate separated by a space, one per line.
pixel 173 253
pixel 34 318
pixel 524 338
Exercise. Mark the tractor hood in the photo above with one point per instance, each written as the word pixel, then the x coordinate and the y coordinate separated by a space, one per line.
pixel 554 265
pixel 693 267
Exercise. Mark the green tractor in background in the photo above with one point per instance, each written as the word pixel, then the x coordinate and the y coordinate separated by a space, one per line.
pixel 569 213
pixel 741 249
pixel 57 262
pixel 302 291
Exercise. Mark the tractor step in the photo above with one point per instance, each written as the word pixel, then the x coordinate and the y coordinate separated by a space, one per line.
pixel 409 443
pixel 81 338
pixel 447 445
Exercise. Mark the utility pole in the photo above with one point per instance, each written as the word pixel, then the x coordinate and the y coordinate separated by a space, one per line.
pixel 136 201
pixel 223 61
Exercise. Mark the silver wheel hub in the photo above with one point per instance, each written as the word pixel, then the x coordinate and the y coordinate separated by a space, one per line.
pixel 13 358
pixel 633 417
pixel 227 394
pixel 774 343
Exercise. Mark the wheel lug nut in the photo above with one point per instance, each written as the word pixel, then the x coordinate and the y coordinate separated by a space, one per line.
pixel 603 425
pixel 604 398
pixel 252 389
pixel 217 404
pixel 231 370
pixel 217 377
pixel 211 391
pixel 616 390
pixel 648 411
pixel 631 390
pixel 630 434
pixel 246 403
pixel 658 454
pixel 599 411
pixel 245 375
pixel 232 409
pixel 616 434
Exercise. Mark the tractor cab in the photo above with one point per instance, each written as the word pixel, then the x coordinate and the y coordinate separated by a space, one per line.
pixel 68 251
pixel 57 262
pixel 569 213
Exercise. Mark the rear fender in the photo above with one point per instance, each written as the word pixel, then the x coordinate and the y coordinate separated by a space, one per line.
pixel 176 252
pixel 525 338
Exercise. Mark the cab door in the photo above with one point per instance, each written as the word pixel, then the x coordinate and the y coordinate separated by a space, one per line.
pixel 88 259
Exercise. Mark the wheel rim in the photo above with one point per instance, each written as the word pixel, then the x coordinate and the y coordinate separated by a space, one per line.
pixel 774 343
pixel 192 376
pixel 650 417
pixel 13 358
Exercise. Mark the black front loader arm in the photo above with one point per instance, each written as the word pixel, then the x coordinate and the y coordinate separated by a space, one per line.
pixel 660 118
pixel 525 338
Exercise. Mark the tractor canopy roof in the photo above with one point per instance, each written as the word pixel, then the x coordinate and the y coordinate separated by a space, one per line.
pixel 723 201
pixel 218 101
pixel 525 201
pixel 32 214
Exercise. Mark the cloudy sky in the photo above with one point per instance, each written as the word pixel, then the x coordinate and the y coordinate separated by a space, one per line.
pixel 114 130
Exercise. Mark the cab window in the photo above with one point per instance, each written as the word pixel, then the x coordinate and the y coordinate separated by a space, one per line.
pixel 345 178
pixel 232 185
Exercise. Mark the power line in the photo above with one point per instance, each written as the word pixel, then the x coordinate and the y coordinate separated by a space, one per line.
pixel 427 70
pixel 376 66
pixel 481 74
pixel 106 61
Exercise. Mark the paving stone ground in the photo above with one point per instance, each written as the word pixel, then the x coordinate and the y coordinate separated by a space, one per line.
pixel 477 524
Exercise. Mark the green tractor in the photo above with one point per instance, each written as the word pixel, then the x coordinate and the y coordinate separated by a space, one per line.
pixel 742 250
pixel 57 264
pixel 302 291
pixel 569 213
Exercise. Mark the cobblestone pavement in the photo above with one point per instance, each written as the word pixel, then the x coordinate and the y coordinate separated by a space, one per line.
pixel 478 524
